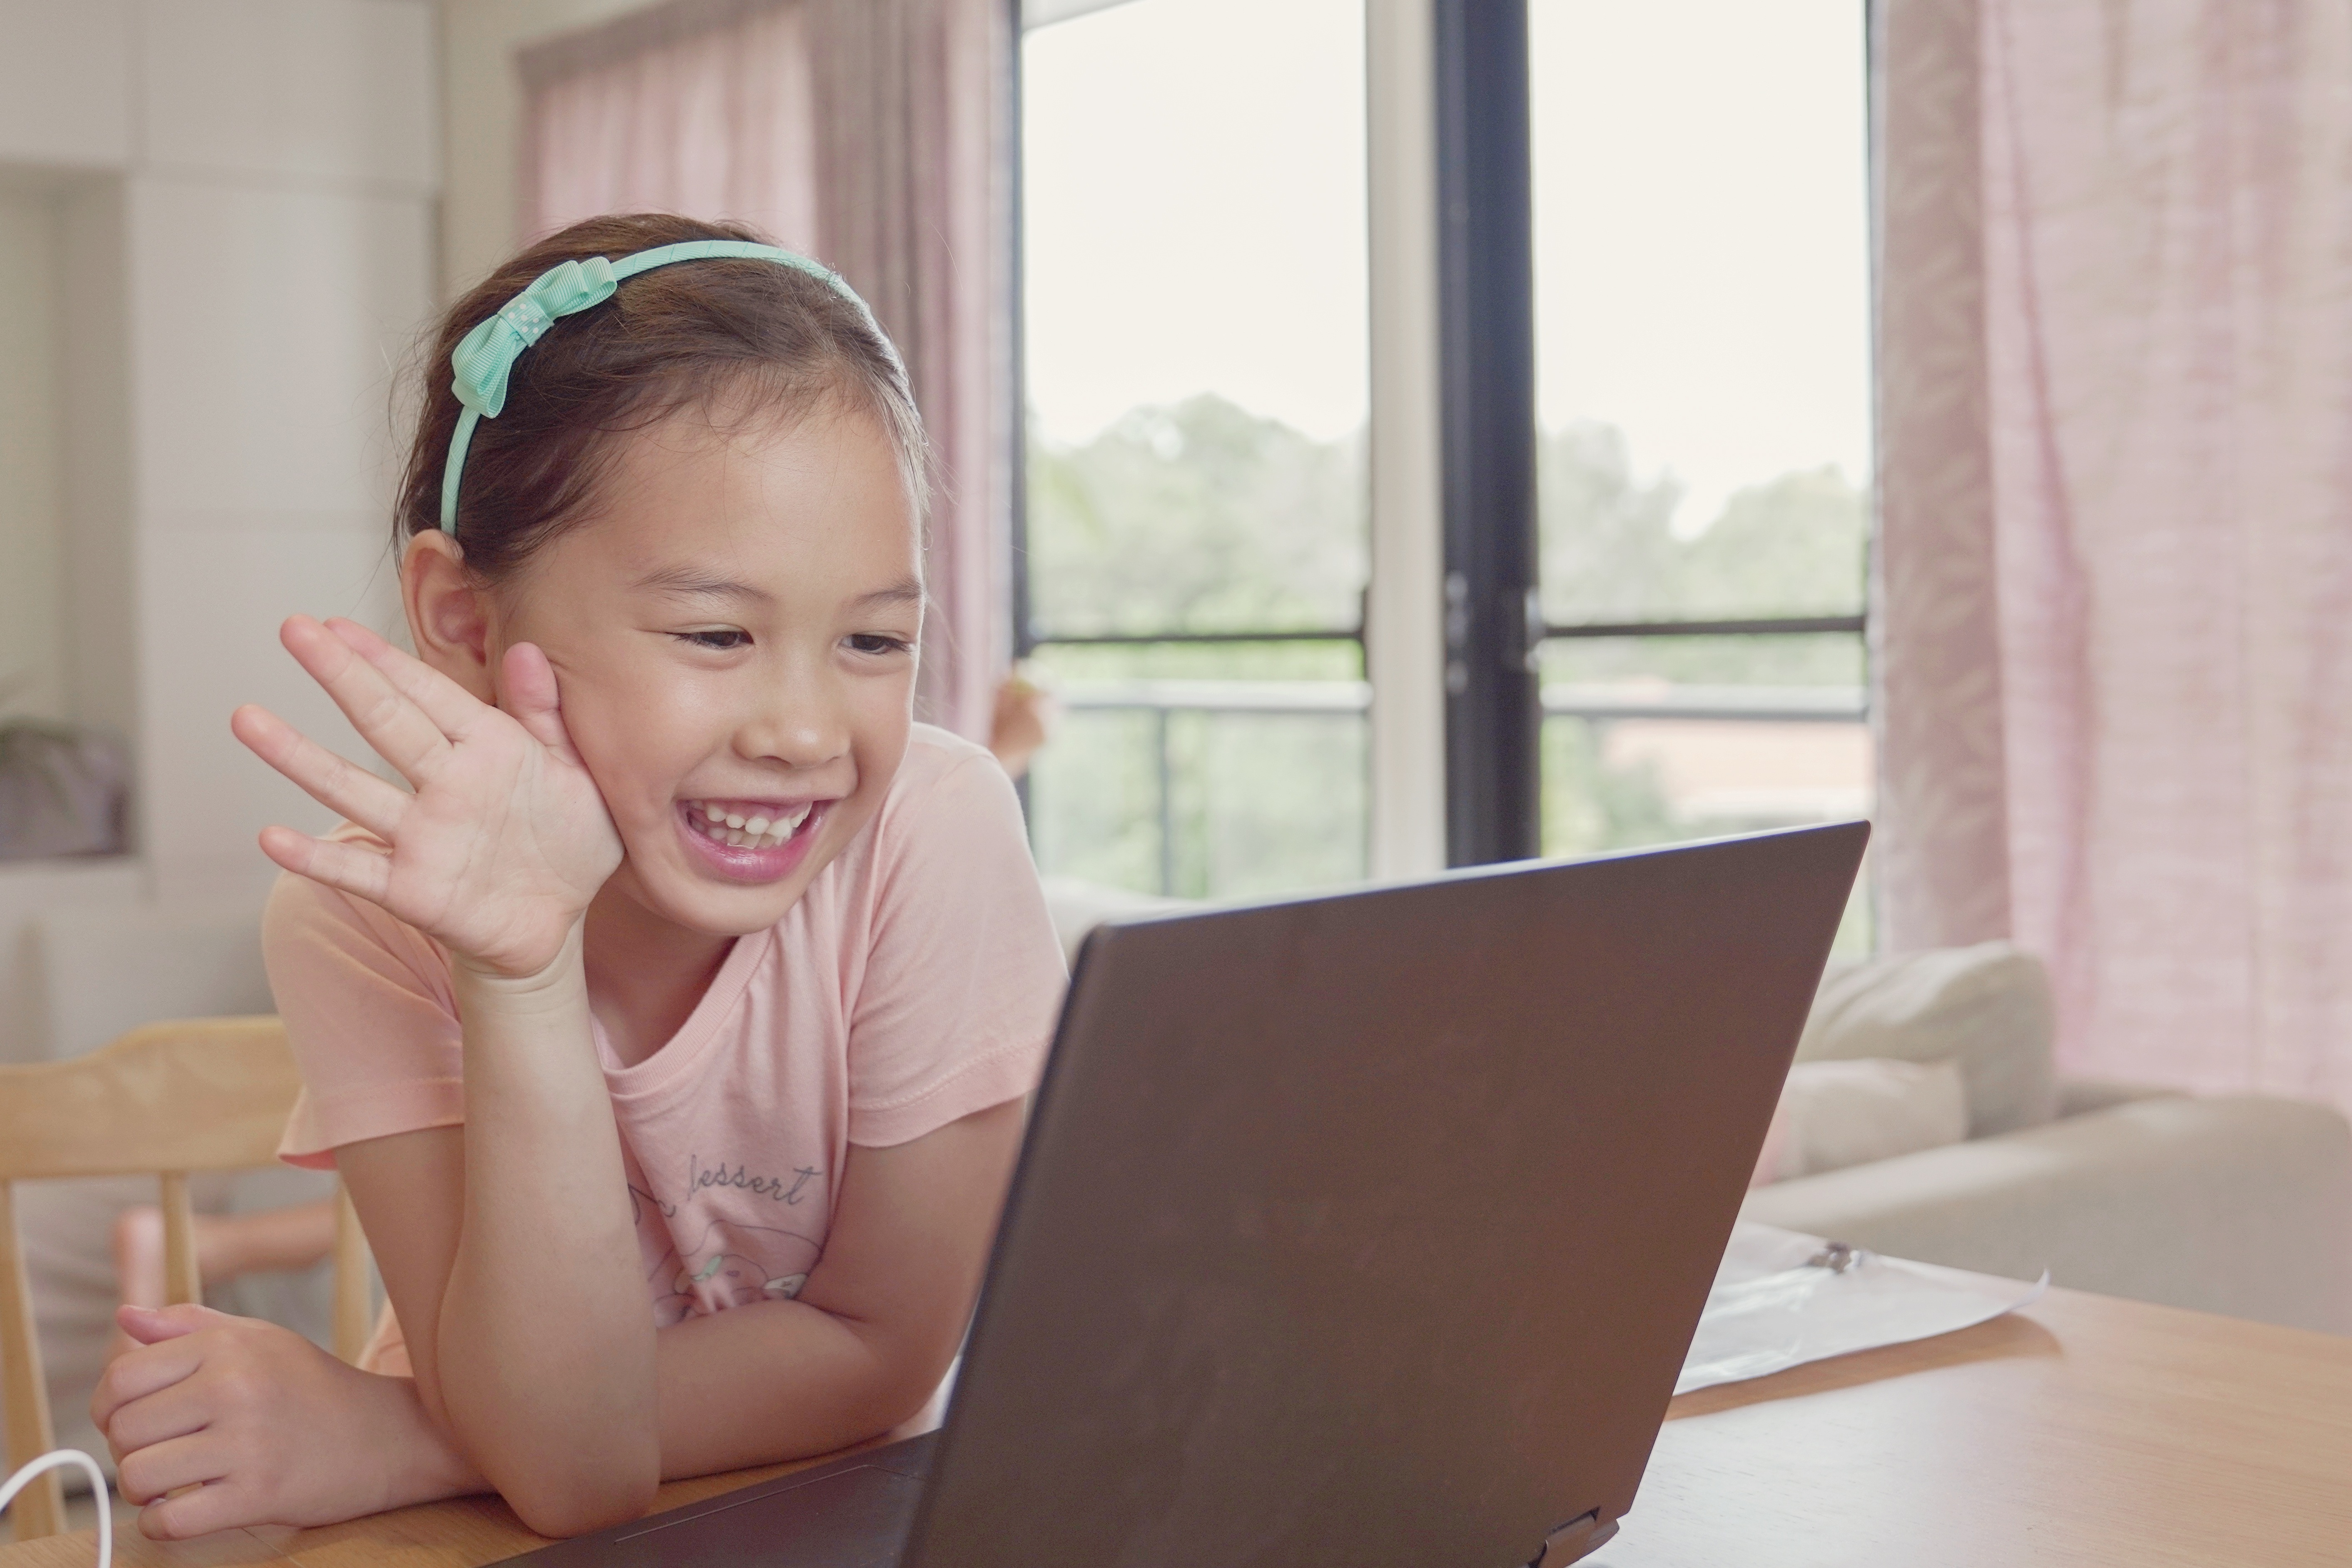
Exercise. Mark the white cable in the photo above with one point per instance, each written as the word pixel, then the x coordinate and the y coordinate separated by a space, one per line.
pixel 50 1461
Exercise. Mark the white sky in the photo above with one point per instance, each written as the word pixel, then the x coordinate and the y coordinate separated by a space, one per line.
pixel 1194 203
pixel 1195 221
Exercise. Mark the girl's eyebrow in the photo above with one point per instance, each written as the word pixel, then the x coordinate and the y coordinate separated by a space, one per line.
pixel 685 581
pixel 905 590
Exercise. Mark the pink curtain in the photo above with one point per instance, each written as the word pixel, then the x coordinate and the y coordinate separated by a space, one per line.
pixel 914 103
pixel 876 135
pixel 704 108
pixel 1941 845
pixel 2158 271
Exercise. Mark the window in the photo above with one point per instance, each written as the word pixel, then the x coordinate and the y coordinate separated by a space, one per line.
pixel 1700 203
pixel 1194 336
pixel 1652 614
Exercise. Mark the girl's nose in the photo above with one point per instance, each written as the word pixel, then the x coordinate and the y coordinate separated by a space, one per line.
pixel 801 723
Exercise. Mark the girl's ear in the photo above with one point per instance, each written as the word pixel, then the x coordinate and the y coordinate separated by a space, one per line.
pixel 449 616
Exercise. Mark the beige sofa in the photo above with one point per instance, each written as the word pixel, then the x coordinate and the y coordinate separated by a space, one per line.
pixel 2232 1203
pixel 2238 1203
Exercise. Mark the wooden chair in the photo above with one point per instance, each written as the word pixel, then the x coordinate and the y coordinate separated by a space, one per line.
pixel 168 1100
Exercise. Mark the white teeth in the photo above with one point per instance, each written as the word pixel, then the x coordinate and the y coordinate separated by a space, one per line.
pixel 738 831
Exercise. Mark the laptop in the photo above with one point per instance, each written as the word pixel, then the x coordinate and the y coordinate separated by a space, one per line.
pixel 1367 1230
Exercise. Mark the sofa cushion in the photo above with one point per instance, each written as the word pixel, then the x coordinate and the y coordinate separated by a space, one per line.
pixel 1985 1009
pixel 1834 1114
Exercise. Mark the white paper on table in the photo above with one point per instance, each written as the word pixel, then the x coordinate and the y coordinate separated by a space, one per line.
pixel 1771 1309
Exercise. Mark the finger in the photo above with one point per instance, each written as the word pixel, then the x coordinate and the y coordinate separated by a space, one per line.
pixel 533 698
pixel 402 733
pixel 151 1325
pixel 155 1472
pixel 219 1505
pixel 327 778
pixel 174 1412
pixel 447 704
pixel 347 868
pixel 138 1373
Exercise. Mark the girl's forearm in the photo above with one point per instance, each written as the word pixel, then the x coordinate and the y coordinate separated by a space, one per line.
pixel 545 1348
pixel 780 1380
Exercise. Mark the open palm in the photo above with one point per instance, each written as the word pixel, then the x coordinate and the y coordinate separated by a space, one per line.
pixel 505 838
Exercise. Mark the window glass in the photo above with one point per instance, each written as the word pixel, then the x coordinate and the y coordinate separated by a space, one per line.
pixel 1702 306
pixel 1193 195
pixel 1703 372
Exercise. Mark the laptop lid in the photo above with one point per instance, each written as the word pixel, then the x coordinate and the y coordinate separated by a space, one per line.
pixel 1371 1229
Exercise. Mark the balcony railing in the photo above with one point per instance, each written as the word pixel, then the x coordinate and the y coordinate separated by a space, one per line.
pixel 1626 700
pixel 1163 701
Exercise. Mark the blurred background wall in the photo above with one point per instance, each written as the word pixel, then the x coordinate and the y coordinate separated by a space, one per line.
pixel 217 235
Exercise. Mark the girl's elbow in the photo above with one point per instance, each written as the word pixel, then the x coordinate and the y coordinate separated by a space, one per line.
pixel 565 1494
pixel 561 1506
pixel 906 1391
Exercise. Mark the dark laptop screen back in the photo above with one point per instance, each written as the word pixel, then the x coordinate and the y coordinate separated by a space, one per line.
pixel 1372 1230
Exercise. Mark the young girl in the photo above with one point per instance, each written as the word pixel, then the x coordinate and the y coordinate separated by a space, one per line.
pixel 671 1030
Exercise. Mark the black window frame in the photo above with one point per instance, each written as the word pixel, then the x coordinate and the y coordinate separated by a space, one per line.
pixel 1494 627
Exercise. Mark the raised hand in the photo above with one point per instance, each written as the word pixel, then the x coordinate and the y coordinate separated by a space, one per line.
pixel 505 840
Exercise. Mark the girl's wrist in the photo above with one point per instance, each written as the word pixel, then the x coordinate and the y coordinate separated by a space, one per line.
pixel 562 980
pixel 426 1465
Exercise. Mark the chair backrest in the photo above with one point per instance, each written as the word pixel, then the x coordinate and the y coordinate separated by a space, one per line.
pixel 166 1100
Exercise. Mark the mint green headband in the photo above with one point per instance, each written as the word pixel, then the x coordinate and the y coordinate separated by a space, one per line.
pixel 485 357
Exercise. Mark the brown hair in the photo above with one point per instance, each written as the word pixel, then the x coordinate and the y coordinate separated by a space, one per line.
pixel 668 339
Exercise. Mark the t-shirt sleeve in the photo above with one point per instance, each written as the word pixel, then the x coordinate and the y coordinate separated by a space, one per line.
pixel 370 1015
pixel 963 975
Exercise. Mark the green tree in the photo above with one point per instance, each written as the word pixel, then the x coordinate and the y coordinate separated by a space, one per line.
pixel 1202 517
pixel 1608 549
pixel 1790 546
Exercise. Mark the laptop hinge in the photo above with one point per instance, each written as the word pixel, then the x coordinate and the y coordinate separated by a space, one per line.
pixel 1573 1539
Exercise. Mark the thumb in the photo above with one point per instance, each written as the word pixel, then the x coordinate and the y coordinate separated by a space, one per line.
pixel 150 1325
pixel 533 699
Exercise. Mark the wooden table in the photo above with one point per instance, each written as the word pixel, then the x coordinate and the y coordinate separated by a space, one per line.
pixel 2084 1430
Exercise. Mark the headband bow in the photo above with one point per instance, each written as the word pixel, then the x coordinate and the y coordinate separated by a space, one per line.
pixel 485 357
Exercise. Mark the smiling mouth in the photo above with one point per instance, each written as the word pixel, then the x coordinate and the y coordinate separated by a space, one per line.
pixel 748 825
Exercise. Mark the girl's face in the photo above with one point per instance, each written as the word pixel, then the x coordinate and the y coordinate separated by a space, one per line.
pixel 733 636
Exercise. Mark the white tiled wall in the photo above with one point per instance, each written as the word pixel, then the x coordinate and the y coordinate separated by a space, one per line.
pixel 270 173
pixel 267 321
pixel 33 678
pixel 65 82
pixel 335 89
pixel 30 891
pixel 213 600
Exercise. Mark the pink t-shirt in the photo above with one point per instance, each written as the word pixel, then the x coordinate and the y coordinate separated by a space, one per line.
pixel 916 982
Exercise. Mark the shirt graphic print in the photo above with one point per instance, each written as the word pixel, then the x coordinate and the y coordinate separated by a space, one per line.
pixel 752 1236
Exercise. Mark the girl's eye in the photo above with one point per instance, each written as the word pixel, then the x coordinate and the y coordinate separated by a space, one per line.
pixel 876 643
pixel 725 641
